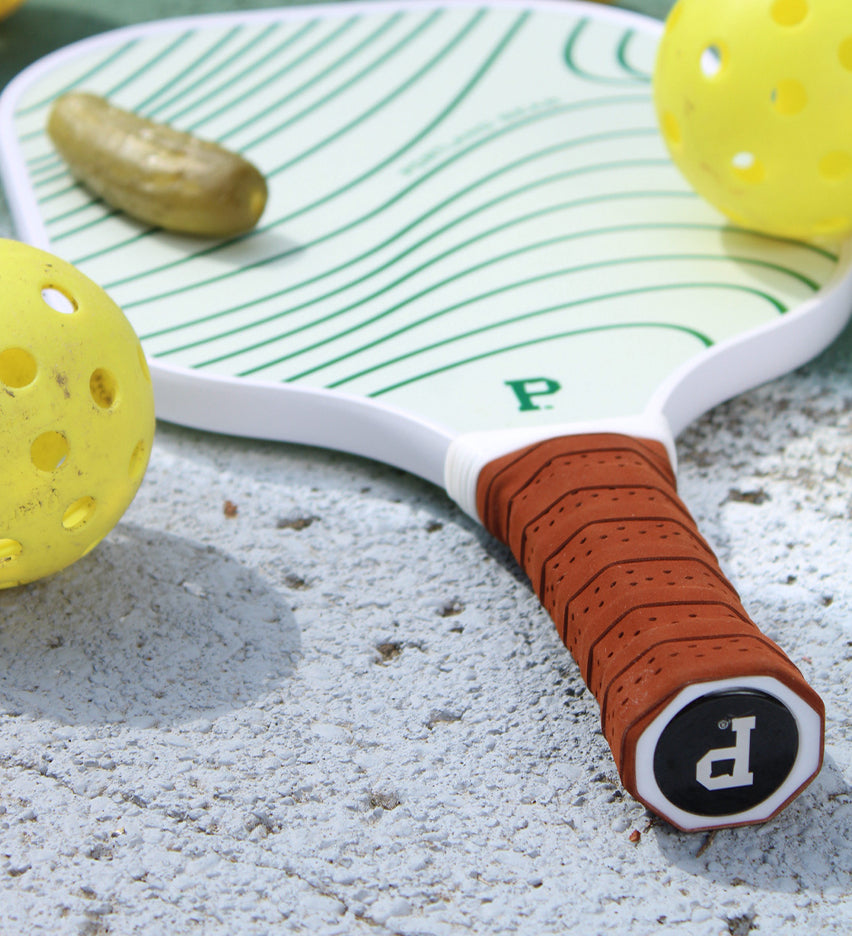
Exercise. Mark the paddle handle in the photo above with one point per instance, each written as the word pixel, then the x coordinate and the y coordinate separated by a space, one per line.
pixel 709 722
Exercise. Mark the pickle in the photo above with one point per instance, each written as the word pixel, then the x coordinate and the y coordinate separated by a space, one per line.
pixel 153 172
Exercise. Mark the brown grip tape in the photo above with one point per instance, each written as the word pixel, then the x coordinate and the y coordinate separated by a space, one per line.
pixel 636 593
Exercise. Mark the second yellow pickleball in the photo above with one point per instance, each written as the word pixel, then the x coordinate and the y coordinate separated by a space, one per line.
pixel 754 101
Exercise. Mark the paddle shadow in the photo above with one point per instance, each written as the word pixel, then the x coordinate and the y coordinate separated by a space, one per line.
pixel 806 848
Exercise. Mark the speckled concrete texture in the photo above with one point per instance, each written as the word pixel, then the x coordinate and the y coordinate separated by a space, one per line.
pixel 298 692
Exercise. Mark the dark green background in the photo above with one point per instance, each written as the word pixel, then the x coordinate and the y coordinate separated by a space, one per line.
pixel 40 26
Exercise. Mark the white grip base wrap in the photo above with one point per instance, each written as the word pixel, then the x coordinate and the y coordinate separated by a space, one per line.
pixel 468 454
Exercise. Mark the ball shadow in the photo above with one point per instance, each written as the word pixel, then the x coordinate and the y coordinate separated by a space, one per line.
pixel 148 629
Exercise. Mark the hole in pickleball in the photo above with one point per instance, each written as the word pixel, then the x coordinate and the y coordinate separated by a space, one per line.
pixel 789 97
pixel 103 387
pixel 10 549
pixel 748 168
pixel 833 167
pixel 138 460
pixel 710 771
pixel 90 547
pixel 18 368
pixel 711 61
pixel 58 300
pixel 831 227
pixel 844 53
pixel 789 12
pixel 671 129
pixel 79 513
pixel 49 451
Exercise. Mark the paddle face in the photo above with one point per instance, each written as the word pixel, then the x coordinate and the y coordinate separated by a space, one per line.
pixel 472 219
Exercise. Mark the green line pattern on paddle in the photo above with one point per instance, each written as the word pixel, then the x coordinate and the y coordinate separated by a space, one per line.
pixel 466 203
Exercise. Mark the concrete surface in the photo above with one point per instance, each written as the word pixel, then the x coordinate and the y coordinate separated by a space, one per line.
pixel 340 710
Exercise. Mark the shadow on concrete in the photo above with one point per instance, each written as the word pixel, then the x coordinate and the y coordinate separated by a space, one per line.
pixel 789 854
pixel 149 629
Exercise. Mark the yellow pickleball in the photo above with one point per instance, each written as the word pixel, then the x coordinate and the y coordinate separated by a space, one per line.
pixel 754 100
pixel 76 414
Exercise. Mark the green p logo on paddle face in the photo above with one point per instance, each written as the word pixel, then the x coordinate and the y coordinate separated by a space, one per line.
pixel 527 391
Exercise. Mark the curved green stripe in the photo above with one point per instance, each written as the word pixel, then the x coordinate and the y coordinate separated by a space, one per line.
pixel 104 63
pixel 545 339
pixel 229 82
pixel 570 56
pixel 422 72
pixel 584 268
pixel 192 66
pixel 621 55
pixel 48 162
pixel 412 225
pixel 781 307
pixel 461 275
pixel 141 71
pixel 74 211
pixel 127 80
pixel 288 66
pixel 451 252
pixel 203 78
pixel 344 86
pixel 515 126
pixel 44 163
pixel 413 141
pixel 60 173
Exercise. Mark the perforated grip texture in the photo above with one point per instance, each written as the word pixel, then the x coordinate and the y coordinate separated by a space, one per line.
pixel 636 593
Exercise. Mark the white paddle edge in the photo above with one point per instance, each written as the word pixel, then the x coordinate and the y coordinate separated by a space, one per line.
pixel 724 371
pixel 804 767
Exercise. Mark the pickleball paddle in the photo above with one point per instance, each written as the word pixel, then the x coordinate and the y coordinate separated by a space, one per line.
pixel 477 263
